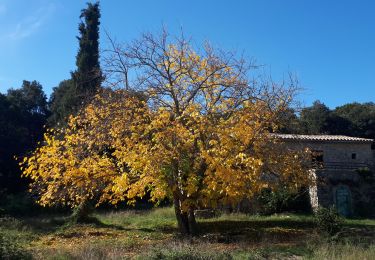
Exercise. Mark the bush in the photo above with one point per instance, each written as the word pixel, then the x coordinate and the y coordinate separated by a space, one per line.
pixel 23 204
pixel 10 249
pixel 282 200
pixel 18 204
pixel 328 220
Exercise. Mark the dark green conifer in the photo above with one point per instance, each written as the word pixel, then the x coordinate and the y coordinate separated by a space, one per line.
pixel 85 81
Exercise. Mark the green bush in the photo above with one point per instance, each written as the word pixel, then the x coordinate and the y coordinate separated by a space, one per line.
pixel 18 204
pixel 328 220
pixel 10 249
pixel 281 200
pixel 23 204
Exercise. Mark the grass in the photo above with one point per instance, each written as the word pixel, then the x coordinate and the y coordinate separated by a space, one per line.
pixel 344 252
pixel 152 234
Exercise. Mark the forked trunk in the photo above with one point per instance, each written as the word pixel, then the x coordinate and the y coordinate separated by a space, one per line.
pixel 185 220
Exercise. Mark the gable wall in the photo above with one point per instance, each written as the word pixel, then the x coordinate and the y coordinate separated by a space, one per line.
pixel 338 151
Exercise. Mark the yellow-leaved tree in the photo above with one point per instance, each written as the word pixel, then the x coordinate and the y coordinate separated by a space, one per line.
pixel 199 134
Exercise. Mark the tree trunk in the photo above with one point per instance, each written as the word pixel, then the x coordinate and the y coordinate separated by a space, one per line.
pixel 192 222
pixel 82 211
pixel 182 222
pixel 185 220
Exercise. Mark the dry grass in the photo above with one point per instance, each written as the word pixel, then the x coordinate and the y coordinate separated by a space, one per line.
pixel 153 235
pixel 344 252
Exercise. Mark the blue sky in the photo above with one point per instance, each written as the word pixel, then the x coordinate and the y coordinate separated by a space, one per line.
pixel 329 45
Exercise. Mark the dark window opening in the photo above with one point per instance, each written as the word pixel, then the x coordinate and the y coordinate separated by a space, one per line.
pixel 354 156
pixel 317 158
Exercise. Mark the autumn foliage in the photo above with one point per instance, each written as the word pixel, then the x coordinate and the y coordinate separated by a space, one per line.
pixel 194 130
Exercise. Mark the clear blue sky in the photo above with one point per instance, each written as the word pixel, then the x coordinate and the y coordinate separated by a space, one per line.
pixel 329 45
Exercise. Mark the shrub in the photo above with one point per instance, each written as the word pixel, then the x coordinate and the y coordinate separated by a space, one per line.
pixel 18 204
pixel 366 174
pixel 328 220
pixel 23 204
pixel 10 248
pixel 281 200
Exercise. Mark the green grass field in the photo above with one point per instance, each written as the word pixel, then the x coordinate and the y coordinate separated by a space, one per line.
pixel 152 234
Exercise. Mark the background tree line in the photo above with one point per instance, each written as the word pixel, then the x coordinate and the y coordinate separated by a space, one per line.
pixel 352 119
pixel 25 113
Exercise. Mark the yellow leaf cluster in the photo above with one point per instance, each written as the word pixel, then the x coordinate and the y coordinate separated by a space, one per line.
pixel 202 146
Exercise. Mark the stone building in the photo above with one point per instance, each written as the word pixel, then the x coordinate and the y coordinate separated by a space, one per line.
pixel 343 168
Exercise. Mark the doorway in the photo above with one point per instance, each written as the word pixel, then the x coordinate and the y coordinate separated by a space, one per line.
pixel 343 201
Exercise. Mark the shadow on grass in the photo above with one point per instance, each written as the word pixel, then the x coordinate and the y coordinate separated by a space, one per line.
pixel 44 225
pixel 223 226
pixel 91 220
pixel 278 231
pixel 275 231
pixel 94 221
pixel 48 224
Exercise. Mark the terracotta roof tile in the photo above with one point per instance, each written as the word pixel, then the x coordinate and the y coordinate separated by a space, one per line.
pixel 336 138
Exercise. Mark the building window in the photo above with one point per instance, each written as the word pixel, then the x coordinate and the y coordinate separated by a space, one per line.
pixel 354 156
pixel 317 158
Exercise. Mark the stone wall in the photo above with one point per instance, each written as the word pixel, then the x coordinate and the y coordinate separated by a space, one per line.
pixel 338 151
pixel 343 173
pixel 359 183
pixel 349 175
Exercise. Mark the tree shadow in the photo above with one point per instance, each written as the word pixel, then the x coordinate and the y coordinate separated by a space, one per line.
pixel 39 225
pixel 94 221
pixel 255 231
pixel 57 223
pixel 223 226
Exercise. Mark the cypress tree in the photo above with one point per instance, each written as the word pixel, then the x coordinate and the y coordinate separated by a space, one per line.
pixel 88 76
pixel 85 81
pixel 72 94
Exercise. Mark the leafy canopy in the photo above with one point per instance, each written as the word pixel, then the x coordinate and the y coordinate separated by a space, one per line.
pixel 198 134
